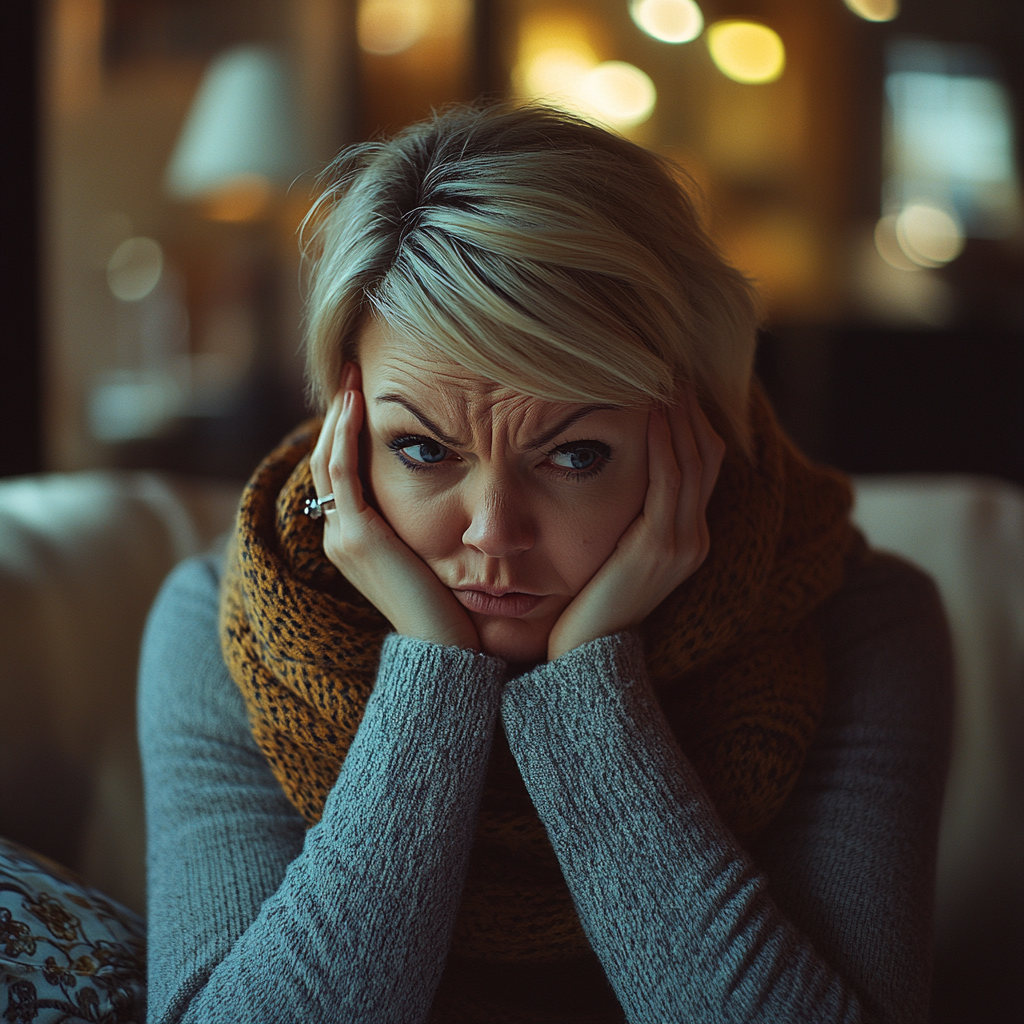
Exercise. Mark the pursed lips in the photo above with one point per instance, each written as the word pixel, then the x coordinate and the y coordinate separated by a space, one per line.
pixel 495 591
pixel 499 601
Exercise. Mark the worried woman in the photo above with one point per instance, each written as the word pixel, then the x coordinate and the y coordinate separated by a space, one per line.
pixel 577 697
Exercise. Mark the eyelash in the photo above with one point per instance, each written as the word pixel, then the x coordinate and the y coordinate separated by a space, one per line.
pixel 602 450
pixel 407 441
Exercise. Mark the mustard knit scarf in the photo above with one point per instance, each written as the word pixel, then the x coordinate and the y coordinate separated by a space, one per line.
pixel 731 653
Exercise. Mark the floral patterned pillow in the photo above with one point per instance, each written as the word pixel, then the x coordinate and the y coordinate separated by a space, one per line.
pixel 67 953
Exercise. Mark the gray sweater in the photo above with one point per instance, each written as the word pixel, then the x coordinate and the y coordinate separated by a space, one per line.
pixel 827 917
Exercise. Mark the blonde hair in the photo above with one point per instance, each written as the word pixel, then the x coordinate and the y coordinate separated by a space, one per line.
pixel 536 250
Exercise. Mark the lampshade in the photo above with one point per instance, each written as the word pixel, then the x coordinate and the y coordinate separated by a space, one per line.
pixel 242 125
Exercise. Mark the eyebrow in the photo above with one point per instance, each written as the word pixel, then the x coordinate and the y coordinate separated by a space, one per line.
pixel 453 442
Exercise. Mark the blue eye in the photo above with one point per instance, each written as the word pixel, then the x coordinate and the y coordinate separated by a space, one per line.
pixel 418 452
pixel 581 458
pixel 426 451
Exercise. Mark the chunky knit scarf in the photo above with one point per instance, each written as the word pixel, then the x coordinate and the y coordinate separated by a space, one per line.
pixel 732 653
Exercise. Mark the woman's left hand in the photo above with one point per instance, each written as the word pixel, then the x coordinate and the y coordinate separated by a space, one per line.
pixel 665 544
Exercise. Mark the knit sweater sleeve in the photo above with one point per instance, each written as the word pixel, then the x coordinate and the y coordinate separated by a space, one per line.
pixel 828 918
pixel 254 918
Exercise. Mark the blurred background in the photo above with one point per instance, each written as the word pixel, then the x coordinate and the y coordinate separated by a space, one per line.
pixel 860 159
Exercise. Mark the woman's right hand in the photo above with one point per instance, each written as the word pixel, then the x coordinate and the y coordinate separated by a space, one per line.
pixel 364 547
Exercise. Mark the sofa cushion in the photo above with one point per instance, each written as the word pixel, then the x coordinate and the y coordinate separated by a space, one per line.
pixel 81 558
pixel 67 952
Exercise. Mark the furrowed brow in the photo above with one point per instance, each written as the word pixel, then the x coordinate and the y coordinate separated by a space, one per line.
pixel 541 441
pixel 549 435
pixel 444 438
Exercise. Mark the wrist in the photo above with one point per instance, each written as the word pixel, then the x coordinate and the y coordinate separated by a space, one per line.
pixel 559 646
pixel 442 634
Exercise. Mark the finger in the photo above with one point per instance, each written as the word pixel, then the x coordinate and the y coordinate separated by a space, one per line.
pixel 664 478
pixel 688 512
pixel 343 466
pixel 711 448
pixel 321 455
pixel 352 377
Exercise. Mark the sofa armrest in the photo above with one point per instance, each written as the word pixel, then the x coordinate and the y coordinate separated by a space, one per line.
pixel 81 558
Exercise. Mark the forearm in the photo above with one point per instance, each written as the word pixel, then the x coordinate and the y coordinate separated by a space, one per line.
pixel 674 908
pixel 358 925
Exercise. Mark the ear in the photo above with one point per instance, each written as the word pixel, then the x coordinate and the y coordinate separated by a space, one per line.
pixel 351 376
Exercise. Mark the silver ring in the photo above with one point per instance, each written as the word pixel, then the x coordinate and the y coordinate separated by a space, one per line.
pixel 316 507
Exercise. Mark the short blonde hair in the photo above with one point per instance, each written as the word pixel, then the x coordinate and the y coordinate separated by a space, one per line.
pixel 536 250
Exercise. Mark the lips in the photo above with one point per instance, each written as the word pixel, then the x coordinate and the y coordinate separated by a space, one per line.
pixel 497 601
pixel 492 589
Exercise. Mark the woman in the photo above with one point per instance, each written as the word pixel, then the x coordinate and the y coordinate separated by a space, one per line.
pixel 577 697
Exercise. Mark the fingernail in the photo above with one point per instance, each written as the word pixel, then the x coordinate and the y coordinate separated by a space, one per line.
pixel 347 401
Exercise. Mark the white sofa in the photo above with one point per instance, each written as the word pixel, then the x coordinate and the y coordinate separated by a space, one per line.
pixel 969 534
pixel 81 558
pixel 82 555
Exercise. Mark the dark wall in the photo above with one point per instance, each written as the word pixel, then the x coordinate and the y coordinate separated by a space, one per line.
pixel 20 339
pixel 870 400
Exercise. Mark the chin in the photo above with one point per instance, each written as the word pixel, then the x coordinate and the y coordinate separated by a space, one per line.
pixel 513 640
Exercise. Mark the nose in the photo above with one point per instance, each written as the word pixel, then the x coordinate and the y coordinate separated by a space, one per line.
pixel 500 521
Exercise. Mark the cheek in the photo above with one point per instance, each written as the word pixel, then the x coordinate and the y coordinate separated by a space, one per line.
pixel 583 535
pixel 429 523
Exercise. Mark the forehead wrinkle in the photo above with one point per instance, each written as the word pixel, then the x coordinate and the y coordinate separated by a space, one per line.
pixel 462 404
pixel 442 400
pixel 450 413
pixel 442 369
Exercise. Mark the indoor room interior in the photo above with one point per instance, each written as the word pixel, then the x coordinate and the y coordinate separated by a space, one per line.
pixel 860 160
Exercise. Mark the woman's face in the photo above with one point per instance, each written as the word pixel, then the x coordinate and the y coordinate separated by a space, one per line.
pixel 513 502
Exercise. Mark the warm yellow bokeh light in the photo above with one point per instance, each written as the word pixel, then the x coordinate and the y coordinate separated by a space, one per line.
pixel 928 235
pixel 746 51
pixel 391 26
pixel 670 21
pixel 556 73
pixel 558 63
pixel 874 10
pixel 566 32
pixel 614 93
pixel 245 197
pixel 618 94
pixel 555 52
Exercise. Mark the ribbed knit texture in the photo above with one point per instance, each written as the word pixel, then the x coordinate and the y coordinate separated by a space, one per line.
pixel 825 918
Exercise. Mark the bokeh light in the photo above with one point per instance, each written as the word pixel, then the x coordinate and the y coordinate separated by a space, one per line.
pixel 559 64
pixel 895 291
pixel 555 53
pixel 874 10
pixel 391 26
pixel 557 73
pixel 746 51
pixel 888 244
pixel 135 268
pixel 670 21
pixel 928 235
pixel 618 94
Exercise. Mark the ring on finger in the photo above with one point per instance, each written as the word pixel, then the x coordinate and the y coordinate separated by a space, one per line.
pixel 316 507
